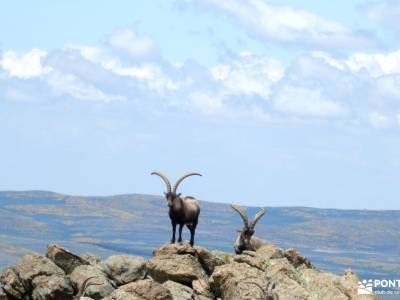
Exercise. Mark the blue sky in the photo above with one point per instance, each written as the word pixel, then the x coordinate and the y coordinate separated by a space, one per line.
pixel 276 103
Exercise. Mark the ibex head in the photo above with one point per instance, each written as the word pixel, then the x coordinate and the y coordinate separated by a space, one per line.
pixel 171 193
pixel 243 241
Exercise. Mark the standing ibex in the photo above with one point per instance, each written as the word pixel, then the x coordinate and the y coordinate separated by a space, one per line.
pixel 182 210
pixel 246 240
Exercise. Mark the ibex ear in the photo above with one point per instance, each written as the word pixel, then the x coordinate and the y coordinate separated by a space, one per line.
pixel 178 195
pixel 165 194
pixel 238 230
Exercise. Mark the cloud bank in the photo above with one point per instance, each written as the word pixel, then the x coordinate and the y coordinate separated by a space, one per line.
pixel 360 89
pixel 291 26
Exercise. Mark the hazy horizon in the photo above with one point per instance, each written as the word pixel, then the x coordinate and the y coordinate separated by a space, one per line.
pixel 160 196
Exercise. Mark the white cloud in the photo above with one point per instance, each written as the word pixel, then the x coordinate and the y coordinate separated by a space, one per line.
pixel 148 72
pixel 33 64
pixel 249 74
pixel 129 42
pixel 340 65
pixel 143 72
pixel 151 74
pixel 292 26
pixel 73 86
pixel 302 101
pixel 364 93
pixel 91 53
pixel 359 89
pixel 25 65
pixel 376 64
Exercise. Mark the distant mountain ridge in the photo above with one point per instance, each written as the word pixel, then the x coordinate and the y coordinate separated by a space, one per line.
pixel 367 241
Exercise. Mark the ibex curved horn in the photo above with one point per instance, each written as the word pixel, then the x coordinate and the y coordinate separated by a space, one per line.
pixel 85 285
pixel 242 214
pixel 165 179
pixel 181 179
pixel 257 217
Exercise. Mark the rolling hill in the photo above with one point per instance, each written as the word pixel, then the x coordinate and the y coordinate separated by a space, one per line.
pixel 366 241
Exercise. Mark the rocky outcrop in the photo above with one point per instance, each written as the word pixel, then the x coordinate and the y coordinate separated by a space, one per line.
pixel 51 287
pixel 208 259
pixel 182 268
pixel 3 295
pixel 12 284
pixel 91 258
pixel 297 259
pixel 124 269
pixel 175 272
pixel 36 277
pixel 141 290
pixel 178 291
pixel 238 281
pixel 202 290
pixel 63 258
pixel 92 281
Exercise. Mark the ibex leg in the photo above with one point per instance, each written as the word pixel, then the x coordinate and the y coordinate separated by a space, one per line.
pixel 180 233
pixel 173 233
pixel 192 229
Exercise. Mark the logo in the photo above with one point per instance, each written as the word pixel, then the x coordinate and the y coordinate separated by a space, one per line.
pixel 365 287
pixel 379 286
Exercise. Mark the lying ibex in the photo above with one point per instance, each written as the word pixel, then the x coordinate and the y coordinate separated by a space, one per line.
pixel 246 240
pixel 182 210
